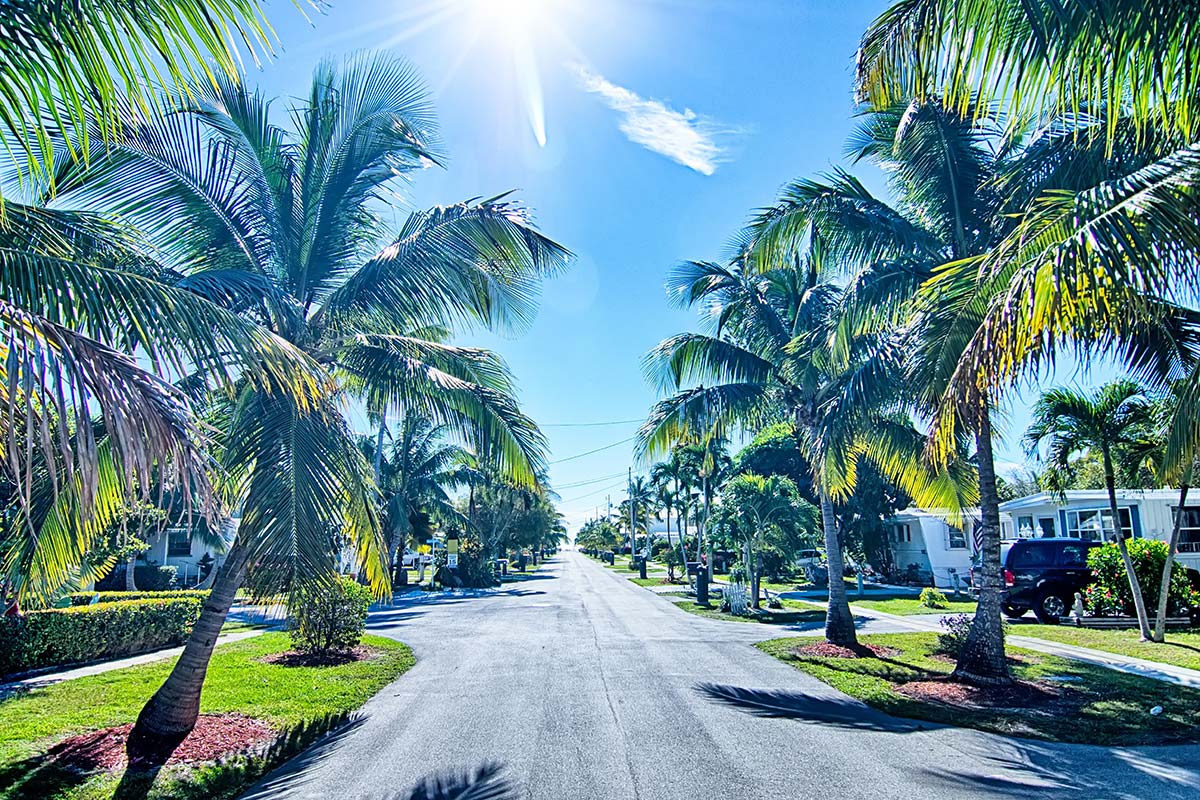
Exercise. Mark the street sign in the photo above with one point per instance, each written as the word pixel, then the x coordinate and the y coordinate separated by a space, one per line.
pixel 452 545
pixel 452 560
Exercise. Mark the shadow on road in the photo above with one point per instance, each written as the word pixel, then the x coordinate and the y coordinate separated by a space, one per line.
pixel 1021 768
pixel 840 712
pixel 295 773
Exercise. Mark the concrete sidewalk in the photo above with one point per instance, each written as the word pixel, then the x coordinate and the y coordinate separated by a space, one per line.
pixel 1128 664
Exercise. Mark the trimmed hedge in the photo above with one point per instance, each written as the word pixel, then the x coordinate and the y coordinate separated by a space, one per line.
pixel 85 598
pixel 87 633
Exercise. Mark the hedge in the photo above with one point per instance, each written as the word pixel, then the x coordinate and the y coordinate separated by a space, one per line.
pixel 85 598
pixel 88 633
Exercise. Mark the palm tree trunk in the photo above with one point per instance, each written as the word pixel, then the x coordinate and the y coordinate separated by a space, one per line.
pixel 839 622
pixel 982 661
pixel 171 713
pixel 130 575
pixel 1164 588
pixel 1135 586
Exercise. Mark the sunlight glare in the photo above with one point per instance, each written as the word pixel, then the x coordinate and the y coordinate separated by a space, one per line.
pixel 519 24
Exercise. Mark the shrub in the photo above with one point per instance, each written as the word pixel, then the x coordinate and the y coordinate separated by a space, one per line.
pixel 953 638
pixel 328 619
pixel 85 598
pixel 933 598
pixel 87 633
pixel 149 578
pixel 1110 595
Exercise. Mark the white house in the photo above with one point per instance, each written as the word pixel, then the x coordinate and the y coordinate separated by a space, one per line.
pixel 925 548
pixel 178 547
pixel 1145 513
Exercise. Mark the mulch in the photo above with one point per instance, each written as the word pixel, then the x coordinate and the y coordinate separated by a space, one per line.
pixel 294 658
pixel 828 650
pixel 1024 695
pixel 215 736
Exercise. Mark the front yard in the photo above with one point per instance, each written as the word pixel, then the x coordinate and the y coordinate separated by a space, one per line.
pixel 1182 649
pixel 793 611
pixel 907 606
pixel 297 702
pixel 1056 699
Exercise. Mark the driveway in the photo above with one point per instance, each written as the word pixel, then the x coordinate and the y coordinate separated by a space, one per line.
pixel 587 686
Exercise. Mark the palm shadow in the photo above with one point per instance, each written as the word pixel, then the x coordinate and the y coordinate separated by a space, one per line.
pixel 839 712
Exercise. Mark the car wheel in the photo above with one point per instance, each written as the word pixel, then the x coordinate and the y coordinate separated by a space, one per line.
pixel 1013 612
pixel 1051 608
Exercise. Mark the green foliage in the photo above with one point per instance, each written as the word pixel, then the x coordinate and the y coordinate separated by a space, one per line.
pixel 598 534
pixel 1109 593
pixel 86 633
pixel 330 618
pixel 933 598
pixel 475 568
pixel 953 638
pixel 85 598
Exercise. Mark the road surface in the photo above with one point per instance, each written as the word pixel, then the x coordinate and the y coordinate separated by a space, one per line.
pixel 586 686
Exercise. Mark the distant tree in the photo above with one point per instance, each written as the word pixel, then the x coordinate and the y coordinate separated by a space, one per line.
pixel 1114 424
pixel 757 507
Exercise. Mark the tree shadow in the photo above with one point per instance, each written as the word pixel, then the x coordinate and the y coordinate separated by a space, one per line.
pixel 486 782
pixel 839 712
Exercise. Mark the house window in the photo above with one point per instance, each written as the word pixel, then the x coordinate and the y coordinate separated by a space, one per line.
pixel 1094 523
pixel 903 533
pixel 957 538
pixel 1025 527
pixel 179 542
pixel 1189 528
pixel 1046 527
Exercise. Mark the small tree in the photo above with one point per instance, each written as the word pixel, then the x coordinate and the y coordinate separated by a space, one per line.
pixel 760 505
pixel 328 619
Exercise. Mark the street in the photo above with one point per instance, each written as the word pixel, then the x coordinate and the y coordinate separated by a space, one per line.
pixel 586 686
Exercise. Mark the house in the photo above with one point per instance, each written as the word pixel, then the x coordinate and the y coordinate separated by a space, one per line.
pixel 924 548
pixel 179 547
pixel 1084 513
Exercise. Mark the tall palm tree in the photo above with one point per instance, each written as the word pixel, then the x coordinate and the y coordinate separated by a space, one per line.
pixel 1115 421
pixel 1112 87
pixel 922 263
pixel 774 351
pixel 96 54
pixel 281 226
pixel 674 471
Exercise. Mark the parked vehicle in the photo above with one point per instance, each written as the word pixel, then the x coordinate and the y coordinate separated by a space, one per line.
pixel 1043 575
pixel 411 558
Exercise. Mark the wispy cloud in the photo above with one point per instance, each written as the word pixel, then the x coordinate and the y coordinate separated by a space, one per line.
pixel 685 137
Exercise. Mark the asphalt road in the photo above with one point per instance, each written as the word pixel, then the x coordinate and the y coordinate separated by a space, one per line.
pixel 585 686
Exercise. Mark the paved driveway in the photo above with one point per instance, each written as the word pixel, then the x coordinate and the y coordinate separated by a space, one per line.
pixel 586 686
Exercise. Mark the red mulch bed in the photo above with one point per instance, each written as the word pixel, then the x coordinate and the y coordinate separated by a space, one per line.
pixel 215 736
pixel 1022 694
pixel 292 658
pixel 828 650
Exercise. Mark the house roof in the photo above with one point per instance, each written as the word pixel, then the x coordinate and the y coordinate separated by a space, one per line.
pixel 1099 496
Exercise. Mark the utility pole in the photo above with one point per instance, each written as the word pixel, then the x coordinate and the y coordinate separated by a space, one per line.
pixel 629 491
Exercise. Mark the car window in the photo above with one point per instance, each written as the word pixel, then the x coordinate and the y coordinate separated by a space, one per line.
pixel 1074 555
pixel 1034 557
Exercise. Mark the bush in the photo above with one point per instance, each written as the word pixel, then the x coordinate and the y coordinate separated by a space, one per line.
pixel 85 598
pixel 933 598
pixel 328 619
pixel 953 638
pixel 1109 593
pixel 88 633
pixel 149 578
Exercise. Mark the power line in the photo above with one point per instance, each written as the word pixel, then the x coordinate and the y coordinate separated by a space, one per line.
pixel 588 424
pixel 597 450
pixel 594 492
pixel 601 479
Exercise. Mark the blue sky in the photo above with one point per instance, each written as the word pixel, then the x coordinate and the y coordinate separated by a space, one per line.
pixel 662 125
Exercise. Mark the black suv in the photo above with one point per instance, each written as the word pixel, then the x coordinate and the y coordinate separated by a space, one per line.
pixel 1044 575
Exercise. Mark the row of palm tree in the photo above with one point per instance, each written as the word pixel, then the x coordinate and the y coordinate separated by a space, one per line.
pixel 1022 225
pixel 192 293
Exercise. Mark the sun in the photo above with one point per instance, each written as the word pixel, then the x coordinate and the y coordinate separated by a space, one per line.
pixel 512 18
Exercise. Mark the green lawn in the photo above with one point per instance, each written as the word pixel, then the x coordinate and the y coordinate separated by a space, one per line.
pixel 290 698
pixel 1094 705
pixel 793 611
pixel 656 580
pixel 1180 649
pixel 907 606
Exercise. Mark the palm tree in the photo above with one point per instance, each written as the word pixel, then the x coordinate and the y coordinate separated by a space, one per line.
pixel 1115 421
pixel 775 351
pixel 1117 226
pixel 760 503
pixel 675 471
pixel 95 54
pixel 416 476
pixel 280 226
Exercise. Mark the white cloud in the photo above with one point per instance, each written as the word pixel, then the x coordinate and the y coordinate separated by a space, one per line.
pixel 685 137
